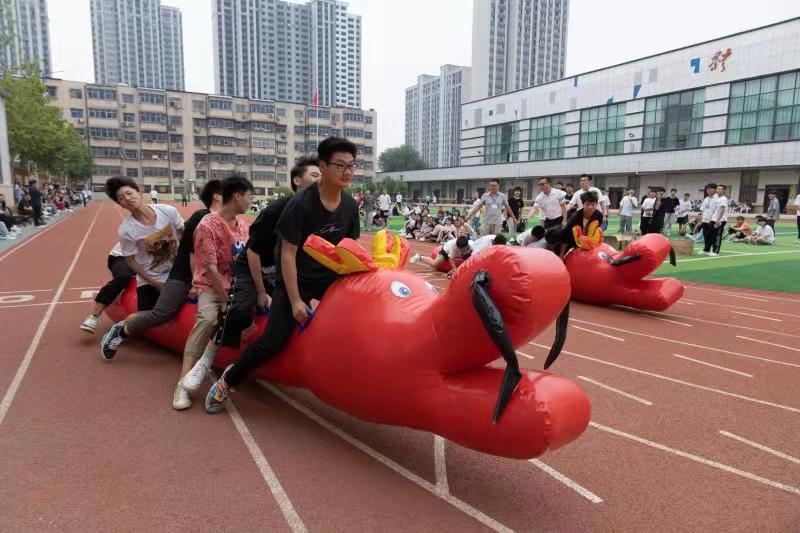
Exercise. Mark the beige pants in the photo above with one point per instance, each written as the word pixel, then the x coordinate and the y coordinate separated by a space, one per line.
pixel 209 304
pixel 490 229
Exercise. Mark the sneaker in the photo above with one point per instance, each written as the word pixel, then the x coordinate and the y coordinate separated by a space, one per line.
pixel 111 341
pixel 702 252
pixel 9 237
pixel 713 254
pixel 415 259
pixel 194 378
pixel 217 394
pixel 797 241
pixel 180 399
pixel 90 324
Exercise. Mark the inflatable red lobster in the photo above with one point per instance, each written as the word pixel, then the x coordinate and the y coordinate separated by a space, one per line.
pixel 601 275
pixel 384 346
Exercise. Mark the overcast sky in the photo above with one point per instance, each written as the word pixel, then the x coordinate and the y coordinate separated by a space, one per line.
pixel 405 38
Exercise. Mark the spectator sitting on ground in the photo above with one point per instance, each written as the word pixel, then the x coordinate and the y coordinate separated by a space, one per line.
pixel 533 237
pixel 6 216
pixel 764 234
pixel 739 231
pixel 24 207
pixel 425 229
pixel 462 228
pixel 411 228
pixel 445 232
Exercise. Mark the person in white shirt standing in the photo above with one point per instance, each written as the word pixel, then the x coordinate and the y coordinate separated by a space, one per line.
pixel 648 206
pixel 586 186
pixel 626 207
pixel 385 205
pixel 683 210
pixel 797 204
pixel 154 195
pixel 552 204
pixel 398 199
pixel 718 218
pixel 706 212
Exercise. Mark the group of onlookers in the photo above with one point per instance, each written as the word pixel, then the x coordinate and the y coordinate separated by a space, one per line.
pixel 35 203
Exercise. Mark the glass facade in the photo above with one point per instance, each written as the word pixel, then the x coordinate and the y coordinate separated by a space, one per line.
pixel 602 130
pixel 674 121
pixel 547 137
pixel 764 109
pixel 502 143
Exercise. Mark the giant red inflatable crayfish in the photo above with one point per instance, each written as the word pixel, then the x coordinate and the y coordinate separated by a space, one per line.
pixel 384 346
pixel 601 275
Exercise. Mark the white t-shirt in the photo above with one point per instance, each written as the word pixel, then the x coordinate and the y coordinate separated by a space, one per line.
pixel 707 208
pixel 116 251
pixel 399 198
pixel 720 211
pixel 627 205
pixel 647 206
pixel 153 247
pixel 766 232
pixel 577 204
pixel 154 194
pixel 383 202
pixel 450 248
pixel 481 243
pixel 550 204
pixel 797 203
pixel 684 208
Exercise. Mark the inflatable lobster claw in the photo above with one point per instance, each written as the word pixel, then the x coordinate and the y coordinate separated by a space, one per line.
pixel 601 275
pixel 592 239
pixel 385 346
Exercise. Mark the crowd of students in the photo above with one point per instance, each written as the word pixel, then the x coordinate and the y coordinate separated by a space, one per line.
pixel 37 204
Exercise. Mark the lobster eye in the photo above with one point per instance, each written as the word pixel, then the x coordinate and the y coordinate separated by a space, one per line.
pixel 400 289
pixel 605 256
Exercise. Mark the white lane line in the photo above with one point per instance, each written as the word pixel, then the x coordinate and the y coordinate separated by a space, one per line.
pixel 666 320
pixel 760 317
pixel 275 487
pixel 678 381
pixel 618 339
pixel 84 288
pixel 26 291
pixel 697 458
pixel 43 303
pixel 525 355
pixel 713 304
pixel 738 326
pixel 684 302
pixel 769 343
pixel 744 296
pixel 37 337
pixel 612 389
pixel 583 491
pixel 406 473
pixel 761 447
pixel 720 257
pixel 720 350
pixel 440 463
pixel 704 363
pixel 34 237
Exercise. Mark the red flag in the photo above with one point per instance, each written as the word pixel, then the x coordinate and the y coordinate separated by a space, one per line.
pixel 315 98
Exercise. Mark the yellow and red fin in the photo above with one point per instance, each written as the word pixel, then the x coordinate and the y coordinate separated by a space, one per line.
pixel 348 257
pixel 594 234
pixel 389 250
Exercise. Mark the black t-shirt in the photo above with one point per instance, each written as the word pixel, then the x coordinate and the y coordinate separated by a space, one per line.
pixel 182 268
pixel 263 237
pixel 516 205
pixel 36 196
pixel 670 204
pixel 304 216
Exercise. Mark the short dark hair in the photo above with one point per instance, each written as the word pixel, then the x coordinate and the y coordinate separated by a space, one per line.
pixel 499 239
pixel 538 232
pixel 740 217
pixel 333 145
pixel 300 167
pixel 587 176
pixel 569 185
pixel 517 189
pixel 589 197
pixel 723 186
pixel 497 181
pixel 548 180
pixel 673 190
pixel 761 218
pixel 462 242
pixel 711 186
pixel 235 183
pixel 113 185
pixel 686 194
pixel 212 187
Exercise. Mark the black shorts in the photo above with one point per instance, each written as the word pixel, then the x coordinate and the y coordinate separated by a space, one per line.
pixel 444 254
pixel 683 220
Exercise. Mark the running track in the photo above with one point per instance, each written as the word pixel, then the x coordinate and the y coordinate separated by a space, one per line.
pixel 695 425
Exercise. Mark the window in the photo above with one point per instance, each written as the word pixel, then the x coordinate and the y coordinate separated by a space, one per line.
pixel 152 118
pixel 105 151
pixel 103 170
pixel 299 114
pixel 176 121
pixel 154 136
pixel 150 172
pixel 150 98
pixel 130 154
pixel 75 93
pixel 501 143
pixel 127 98
pixel 101 94
pixel 674 121
pixel 76 113
pixel 766 109
pixel 129 117
pixel 281 112
pixel 547 137
pixel 267 109
pixel 220 104
pixel 602 130
pixel 52 91
pixel 263 142
pixel 103 133
pixel 224 123
pixel 241 108
pixel 129 136
pixel 199 106
pixel 103 113
pixel 132 172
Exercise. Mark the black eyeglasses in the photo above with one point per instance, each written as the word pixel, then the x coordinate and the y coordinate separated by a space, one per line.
pixel 341 167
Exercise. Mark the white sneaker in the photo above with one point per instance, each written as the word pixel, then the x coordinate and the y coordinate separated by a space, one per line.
pixel 415 259
pixel 713 254
pixel 194 378
pixel 90 324
pixel 10 237
pixel 702 252
pixel 180 399
pixel 797 241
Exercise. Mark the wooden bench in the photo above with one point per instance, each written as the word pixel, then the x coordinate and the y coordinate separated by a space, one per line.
pixel 618 242
pixel 682 246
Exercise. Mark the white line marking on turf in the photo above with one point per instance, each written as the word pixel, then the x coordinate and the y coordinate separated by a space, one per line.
pixel 440 462
pixel 665 320
pixel 43 303
pixel 704 363
pixel 719 257
pixel 760 317
pixel 586 493
pixel 26 292
pixel 620 392
pixel 37 336
pixel 761 447
pixel 697 458
pixel 618 339
pixel 774 361
pixel 275 487
pixel 769 343
pixel 376 455
pixel 678 381
pixel 745 308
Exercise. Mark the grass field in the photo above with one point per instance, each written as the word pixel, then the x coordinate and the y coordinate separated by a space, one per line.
pixel 771 268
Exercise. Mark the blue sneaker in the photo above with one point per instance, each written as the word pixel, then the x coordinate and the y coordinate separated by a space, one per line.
pixel 217 394
pixel 111 341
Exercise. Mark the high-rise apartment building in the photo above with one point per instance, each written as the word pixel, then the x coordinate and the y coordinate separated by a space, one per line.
pixel 517 44
pixel 24 23
pixel 433 115
pixel 130 46
pixel 274 49
pixel 175 141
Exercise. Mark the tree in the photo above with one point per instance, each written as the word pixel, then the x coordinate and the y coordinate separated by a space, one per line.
pixel 392 186
pixel 401 158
